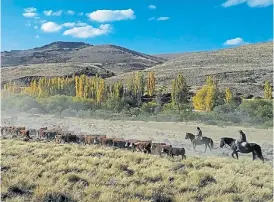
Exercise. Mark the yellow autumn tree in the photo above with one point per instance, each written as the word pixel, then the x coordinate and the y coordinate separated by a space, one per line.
pixel 151 83
pixel 206 97
pixel 267 91
pixel 228 95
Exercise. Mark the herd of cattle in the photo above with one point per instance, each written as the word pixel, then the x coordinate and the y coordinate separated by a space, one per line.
pixel 61 136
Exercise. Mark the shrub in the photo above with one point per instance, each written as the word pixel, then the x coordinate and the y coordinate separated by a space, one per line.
pixel 149 107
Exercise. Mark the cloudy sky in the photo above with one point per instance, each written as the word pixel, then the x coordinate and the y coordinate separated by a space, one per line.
pixel 150 26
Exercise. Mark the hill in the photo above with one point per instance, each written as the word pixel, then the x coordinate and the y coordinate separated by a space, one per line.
pixel 37 171
pixel 65 58
pixel 244 69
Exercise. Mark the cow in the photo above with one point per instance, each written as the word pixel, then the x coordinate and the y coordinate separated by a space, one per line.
pixel 18 129
pixel 89 139
pixel 41 132
pixel 106 141
pixel 98 139
pixel 50 134
pixel 129 143
pixel 65 136
pixel 142 146
pixel 119 142
pixel 81 137
pixel 68 136
pixel 156 148
pixel 25 134
pixel 58 138
pixel 172 151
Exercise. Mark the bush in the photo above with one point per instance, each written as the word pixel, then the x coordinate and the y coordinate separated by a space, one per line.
pixel 114 104
pixel 226 108
pixel 260 109
pixel 149 107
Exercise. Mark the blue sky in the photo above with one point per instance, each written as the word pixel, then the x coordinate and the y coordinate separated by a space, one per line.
pixel 149 26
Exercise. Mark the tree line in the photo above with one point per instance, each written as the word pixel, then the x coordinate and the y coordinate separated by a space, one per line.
pixel 134 87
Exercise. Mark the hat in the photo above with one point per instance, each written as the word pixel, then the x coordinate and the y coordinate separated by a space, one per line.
pixel 240 131
pixel 198 128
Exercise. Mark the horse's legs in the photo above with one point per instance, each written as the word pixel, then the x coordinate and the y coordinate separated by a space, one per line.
pixel 205 147
pixel 233 154
pixel 253 155
pixel 194 146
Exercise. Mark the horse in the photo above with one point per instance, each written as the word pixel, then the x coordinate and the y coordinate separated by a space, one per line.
pixel 208 142
pixel 247 148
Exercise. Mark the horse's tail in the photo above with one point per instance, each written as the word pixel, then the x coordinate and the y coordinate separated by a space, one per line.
pixel 211 143
pixel 258 151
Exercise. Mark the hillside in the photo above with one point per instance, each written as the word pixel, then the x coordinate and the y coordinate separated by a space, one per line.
pixel 244 69
pixel 65 58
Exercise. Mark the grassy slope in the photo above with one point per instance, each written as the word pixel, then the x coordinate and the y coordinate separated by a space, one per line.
pixel 244 69
pixel 91 173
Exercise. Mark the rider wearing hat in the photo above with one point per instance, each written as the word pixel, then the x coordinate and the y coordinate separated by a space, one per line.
pixel 199 134
pixel 241 140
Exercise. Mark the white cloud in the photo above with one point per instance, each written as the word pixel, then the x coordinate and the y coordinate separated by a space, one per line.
pixel 152 7
pixel 250 3
pixel 37 36
pixel 69 24
pixel 70 12
pixel 30 12
pixel 35 27
pixel 28 24
pixel 80 14
pixel 88 31
pixel 48 13
pixel 50 27
pixel 111 15
pixel 152 18
pixel 81 24
pixel 162 18
pixel 52 13
pixel 234 42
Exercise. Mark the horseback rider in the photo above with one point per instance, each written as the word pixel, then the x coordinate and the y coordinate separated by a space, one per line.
pixel 241 140
pixel 199 134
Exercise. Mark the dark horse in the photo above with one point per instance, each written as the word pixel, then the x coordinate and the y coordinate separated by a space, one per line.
pixel 208 142
pixel 249 147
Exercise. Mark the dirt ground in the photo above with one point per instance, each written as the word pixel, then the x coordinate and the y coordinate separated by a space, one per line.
pixel 167 132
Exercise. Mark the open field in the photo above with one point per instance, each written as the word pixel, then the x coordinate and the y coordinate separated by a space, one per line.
pixel 36 171
pixel 168 132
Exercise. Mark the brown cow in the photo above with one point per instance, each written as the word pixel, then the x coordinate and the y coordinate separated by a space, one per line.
pixel 25 134
pixel 142 146
pixel 93 139
pixel 42 133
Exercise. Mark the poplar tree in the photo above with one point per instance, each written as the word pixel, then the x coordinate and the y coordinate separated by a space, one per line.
pixel 267 90
pixel 228 95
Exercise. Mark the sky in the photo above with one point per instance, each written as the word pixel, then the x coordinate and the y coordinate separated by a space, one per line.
pixel 149 26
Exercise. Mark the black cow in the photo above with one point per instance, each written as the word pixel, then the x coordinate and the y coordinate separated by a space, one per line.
pixel 171 151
